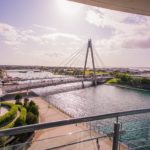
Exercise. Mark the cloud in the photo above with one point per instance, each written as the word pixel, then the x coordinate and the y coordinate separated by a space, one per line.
pixel 136 20
pixel 57 38
pixel 45 27
pixel 55 55
pixel 125 41
pixel 103 17
pixel 137 43
pixel 45 46
pixel 57 35
pixel 95 18
pixel 9 34
pixel 8 31
pixel 131 31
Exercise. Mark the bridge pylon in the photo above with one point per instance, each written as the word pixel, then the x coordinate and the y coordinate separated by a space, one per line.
pixel 90 48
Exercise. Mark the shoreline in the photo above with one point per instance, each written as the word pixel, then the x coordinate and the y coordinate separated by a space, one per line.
pixel 52 105
pixel 127 87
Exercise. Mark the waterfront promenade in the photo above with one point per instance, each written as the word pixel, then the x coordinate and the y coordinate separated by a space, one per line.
pixel 63 135
pixel 79 132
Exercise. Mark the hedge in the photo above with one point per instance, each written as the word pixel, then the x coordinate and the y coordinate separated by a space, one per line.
pixel 34 109
pixel 10 115
pixel 10 125
pixel 5 104
pixel 21 120
pixel 31 118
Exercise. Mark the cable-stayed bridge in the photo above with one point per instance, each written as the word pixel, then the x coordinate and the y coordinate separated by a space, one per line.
pixel 74 76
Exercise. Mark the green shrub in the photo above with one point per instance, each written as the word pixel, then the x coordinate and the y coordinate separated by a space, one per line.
pixel 113 81
pixel 3 140
pixel 145 81
pixel 6 104
pixel 26 102
pixel 10 125
pixel 31 118
pixel 19 103
pixel 10 115
pixel 21 120
pixel 19 107
pixel 18 97
pixel 34 109
pixel 32 103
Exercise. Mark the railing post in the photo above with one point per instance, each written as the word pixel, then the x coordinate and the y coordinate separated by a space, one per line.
pixel 90 129
pixel 116 135
pixel 97 143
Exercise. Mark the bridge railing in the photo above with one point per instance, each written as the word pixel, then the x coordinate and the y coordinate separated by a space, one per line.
pixel 107 131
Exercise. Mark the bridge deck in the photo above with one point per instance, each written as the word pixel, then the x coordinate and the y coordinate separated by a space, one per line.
pixel 33 85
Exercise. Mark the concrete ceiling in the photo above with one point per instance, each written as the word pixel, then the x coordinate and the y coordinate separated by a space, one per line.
pixel 131 6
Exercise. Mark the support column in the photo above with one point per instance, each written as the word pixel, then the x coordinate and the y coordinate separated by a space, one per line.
pixel 89 46
pixel 93 63
pixel 86 57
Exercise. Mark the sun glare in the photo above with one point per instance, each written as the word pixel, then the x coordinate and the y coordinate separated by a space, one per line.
pixel 67 7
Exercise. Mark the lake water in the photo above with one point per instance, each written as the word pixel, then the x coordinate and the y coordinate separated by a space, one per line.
pixel 105 99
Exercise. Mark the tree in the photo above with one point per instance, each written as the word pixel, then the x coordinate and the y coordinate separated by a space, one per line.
pixel 18 97
pixel 32 103
pixel 19 122
pixel 34 110
pixel 31 118
pixel 145 80
pixel 26 101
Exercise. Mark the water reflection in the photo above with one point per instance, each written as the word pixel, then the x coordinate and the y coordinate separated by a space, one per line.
pixel 107 99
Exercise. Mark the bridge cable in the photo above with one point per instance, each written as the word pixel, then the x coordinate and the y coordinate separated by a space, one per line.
pixel 68 58
pixel 99 57
pixel 72 59
pixel 76 59
pixel 74 56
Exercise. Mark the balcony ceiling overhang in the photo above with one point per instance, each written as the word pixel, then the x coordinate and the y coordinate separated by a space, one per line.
pixel 141 7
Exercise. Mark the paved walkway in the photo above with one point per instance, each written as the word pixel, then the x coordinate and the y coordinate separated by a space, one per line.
pixel 3 110
pixel 80 132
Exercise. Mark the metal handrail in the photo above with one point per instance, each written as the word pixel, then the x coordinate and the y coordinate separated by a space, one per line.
pixel 56 137
pixel 40 126
pixel 60 146
pixel 74 143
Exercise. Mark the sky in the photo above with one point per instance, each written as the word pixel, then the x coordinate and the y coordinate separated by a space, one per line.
pixel 48 32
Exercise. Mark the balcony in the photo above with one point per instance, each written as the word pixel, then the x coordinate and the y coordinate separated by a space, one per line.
pixel 103 132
